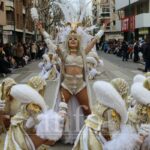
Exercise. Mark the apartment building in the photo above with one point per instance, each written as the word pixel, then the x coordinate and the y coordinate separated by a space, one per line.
pixel 135 23
pixel 105 9
pixel 18 21
pixel 2 19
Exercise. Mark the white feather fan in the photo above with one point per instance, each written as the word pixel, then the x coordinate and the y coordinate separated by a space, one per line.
pixel 50 125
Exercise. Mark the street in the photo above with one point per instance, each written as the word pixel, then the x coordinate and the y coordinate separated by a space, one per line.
pixel 114 67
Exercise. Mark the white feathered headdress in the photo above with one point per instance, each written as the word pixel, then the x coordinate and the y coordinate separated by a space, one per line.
pixel 26 94
pixel 139 78
pixel 107 95
pixel 75 19
pixel 140 93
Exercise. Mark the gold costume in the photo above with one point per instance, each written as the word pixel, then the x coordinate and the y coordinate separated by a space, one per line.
pixel 17 137
pixel 73 83
pixel 99 128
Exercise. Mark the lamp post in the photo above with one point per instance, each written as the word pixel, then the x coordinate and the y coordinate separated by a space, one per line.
pixel 129 26
pixel 14 21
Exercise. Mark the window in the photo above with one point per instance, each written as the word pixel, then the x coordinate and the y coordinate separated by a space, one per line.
pixel 114 23
pixel 2 6
pixel 10 17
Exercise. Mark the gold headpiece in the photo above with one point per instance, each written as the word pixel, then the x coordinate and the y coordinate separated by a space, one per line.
pixel 147 74
pixel 34 108
pixel 74 25
pixel 37 83
pixel 121 86
pixel 6 86
pixel 147 83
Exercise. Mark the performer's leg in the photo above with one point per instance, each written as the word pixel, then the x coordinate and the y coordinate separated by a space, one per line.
pixel 83 100
pixel 65 95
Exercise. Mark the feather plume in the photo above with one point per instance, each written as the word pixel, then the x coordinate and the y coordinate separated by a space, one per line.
pixel 50 125
pixel 140 93
pixel 108 96
pixel 34 14
pixel 26 94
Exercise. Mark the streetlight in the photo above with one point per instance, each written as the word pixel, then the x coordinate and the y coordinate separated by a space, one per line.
pixel 129 26
pixel 14 21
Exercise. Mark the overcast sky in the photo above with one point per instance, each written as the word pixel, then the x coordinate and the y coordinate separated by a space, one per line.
pixel 89 6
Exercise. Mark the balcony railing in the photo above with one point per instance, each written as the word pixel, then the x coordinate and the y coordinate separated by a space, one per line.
pixel 10 22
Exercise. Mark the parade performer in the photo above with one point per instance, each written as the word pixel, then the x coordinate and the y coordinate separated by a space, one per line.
pixel 38 83
pixel 105 128
pixel 139 115
pixel 122 87
pixel 34 124
pixel 74 82
pixel 91 66
pixel 48 66
pixel 8 105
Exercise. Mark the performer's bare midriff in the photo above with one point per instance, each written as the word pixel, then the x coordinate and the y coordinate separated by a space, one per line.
pixel 73 70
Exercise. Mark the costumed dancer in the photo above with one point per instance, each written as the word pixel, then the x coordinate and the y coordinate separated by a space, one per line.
pixel 122 87
pixel 94 54
pixel 139 115
pixel 105 128
pixel 48 66
pixel 34 124
pixel 8 105
pixel 74 83
pixel 38 83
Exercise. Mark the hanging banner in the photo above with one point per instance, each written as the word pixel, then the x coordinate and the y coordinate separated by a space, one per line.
pixel 128 24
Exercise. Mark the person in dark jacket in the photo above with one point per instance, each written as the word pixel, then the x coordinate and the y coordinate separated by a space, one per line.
pixel 136 52
pixel 124 49
pixel 146 54
pixel 4 65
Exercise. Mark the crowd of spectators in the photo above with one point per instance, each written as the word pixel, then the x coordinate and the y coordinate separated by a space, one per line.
pixel 17 55
pixel 138 51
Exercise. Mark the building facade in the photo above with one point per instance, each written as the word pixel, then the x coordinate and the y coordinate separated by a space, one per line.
pixel 2 18
pixel 135 23
pixel 19 25
pixel 105 10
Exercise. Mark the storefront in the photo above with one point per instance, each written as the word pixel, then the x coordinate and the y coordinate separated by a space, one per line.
pixel 143 32
pixel 128 28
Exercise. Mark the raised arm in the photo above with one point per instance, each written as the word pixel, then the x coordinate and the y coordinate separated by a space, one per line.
pixel 35 16
pixel 51 46
pixel 96 38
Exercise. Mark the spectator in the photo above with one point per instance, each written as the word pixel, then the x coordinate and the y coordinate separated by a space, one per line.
pixel 4 65
pixel 136 52
pixel 130 51
pixel 124 50
pixel 19 51
pixel 40 51
pixel 33 51
pixel 146 54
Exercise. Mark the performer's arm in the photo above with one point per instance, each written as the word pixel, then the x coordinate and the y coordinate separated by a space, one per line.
pixel 96 38
pixel 46 36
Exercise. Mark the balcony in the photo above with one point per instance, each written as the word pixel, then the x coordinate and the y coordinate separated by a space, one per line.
pixel 142 20
pixel 123 3
pixel 9 3
pixel 8 27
